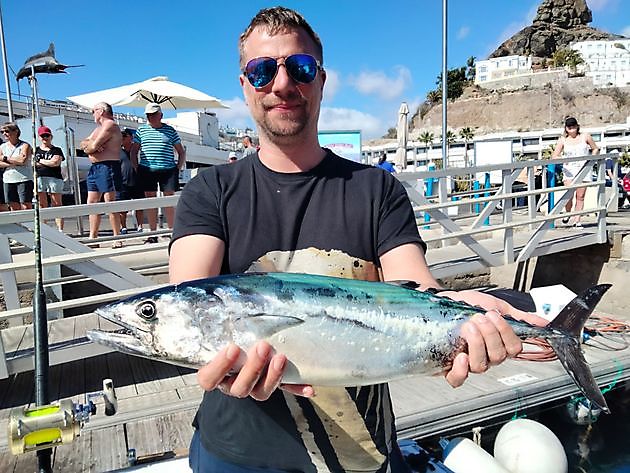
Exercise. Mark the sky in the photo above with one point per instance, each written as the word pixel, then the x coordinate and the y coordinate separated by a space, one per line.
pixel 376 54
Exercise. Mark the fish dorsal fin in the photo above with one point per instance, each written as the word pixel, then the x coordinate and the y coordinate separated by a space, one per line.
pixel 407 283
pixel 265 325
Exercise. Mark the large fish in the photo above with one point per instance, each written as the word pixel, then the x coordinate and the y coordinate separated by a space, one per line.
pixel 334 332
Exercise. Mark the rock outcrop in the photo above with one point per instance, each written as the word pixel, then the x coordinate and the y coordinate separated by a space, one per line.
pixel 557 24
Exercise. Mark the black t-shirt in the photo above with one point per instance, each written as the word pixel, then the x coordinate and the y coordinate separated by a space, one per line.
pixel 126 169
pixel 336 220
pixel 48 171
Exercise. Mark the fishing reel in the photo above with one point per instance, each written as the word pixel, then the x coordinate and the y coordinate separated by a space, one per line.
pixel 36 428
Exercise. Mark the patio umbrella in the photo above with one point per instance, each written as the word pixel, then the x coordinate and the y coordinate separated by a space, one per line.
pixel 402 135
pixel 170 95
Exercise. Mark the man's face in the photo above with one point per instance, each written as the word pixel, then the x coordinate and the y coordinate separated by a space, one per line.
pixel 126 141
pixel 283 109
pixel 154 118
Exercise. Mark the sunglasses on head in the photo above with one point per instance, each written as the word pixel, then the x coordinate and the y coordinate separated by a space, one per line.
pixel 261 71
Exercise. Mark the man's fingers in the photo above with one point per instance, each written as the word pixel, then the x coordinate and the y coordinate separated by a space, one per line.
pixel 511 343
pixel 210 375
pixel 271 378
pixel 257 359
pixel 459 371
pixel 303 390
pixel 477 356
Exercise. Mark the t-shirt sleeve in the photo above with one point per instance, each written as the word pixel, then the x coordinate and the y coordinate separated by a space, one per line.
pixel 175 139
pixel 397 223
pixel 58 152
pixel 198 210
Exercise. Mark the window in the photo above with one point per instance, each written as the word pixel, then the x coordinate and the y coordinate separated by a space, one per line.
pixel 483 69
pixel 530 141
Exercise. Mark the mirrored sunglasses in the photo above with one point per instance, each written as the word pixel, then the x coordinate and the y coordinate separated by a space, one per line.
pixel 302 68
pixel 45 135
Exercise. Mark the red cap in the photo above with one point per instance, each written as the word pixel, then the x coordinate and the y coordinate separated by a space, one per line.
pixel 42 130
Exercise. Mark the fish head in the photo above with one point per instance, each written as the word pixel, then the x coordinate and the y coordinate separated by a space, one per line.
pixel 173 324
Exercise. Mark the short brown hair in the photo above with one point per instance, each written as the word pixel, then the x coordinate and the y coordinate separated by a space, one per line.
pixel 276 20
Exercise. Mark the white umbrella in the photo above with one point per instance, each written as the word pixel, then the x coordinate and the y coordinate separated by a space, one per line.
pixel 402 135
pixel 170 95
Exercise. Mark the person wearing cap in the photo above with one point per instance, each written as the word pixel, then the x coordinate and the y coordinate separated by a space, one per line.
pixel 130 186
pixel 248 146
pixel 18 174
pixel 232 158
pixel 48 160
pixel 153 155
pixel 104 178
pixel 574 143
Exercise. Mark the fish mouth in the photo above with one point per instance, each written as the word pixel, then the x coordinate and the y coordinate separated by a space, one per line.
pixel 127 338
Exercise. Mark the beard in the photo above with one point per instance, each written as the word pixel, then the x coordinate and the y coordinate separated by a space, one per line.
pixel 277 124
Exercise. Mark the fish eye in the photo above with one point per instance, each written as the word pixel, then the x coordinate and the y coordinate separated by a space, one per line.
pixel 147 310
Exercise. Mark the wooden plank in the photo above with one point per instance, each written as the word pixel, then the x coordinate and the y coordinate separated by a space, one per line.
pixel 189 376
pixel 144 375
pixel 160 434
pixel 72 384
pixel 167 375
pixel 122 376
pixel 8 462
pixel 190 392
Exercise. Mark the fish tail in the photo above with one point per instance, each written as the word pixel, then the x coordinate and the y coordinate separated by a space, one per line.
pixel 570 322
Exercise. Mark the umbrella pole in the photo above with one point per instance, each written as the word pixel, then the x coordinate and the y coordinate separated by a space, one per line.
pixel 40 322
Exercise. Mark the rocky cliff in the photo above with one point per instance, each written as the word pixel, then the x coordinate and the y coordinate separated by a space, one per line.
pixel 557 24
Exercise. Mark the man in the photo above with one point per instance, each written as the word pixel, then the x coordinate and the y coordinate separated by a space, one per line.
pixel 157 166
pixel 104 178
pixel 15 159
pixel 232 158
pixel 248 146
pixel 298 207
pixel 130 185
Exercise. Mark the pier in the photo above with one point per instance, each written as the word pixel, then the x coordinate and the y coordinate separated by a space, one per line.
pixel 487 233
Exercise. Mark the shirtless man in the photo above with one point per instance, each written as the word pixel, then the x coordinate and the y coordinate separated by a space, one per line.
pixel 104 177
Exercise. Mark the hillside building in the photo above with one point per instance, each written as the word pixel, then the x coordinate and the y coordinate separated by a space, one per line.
pixel 607 62
pixel 501 68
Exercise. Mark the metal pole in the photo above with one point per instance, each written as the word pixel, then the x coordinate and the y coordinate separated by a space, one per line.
pixel 444 80
pixel 5 67
pixel 40 319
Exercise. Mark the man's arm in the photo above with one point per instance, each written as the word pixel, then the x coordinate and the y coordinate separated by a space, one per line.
pixel 489 337
pixel 100 136
pixel 200 256
pixel 181 155
pixel 20 159
pixel 133 154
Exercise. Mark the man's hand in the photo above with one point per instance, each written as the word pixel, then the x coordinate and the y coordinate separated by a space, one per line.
pixel 259 377
pixel 489 336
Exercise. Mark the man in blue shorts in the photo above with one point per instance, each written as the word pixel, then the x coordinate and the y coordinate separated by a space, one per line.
pixel 104 177
pixel 157 164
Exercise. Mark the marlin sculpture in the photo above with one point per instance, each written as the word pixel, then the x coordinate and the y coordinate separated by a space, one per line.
pixel 43 63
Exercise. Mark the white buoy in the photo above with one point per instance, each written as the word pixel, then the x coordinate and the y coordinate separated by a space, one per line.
pixel 527 446
pixel 462 455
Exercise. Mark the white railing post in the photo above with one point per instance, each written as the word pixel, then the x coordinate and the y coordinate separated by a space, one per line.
pixel 508 233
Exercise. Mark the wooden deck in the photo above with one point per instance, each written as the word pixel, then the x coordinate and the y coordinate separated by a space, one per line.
pixel 157 403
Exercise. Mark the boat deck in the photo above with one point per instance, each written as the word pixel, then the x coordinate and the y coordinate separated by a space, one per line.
pixel 157 402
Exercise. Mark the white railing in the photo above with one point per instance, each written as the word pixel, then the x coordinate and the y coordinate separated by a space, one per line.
pixel 523 230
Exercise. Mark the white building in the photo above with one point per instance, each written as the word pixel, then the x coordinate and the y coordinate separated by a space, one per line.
pixel 607 62
pixel 501 68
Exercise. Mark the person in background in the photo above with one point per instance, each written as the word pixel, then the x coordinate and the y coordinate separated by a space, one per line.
pixel 155 142
pixel 104 179
pixel 297 207
pixel 3 203
pixel 130 186
pixel 571 144
pixel 248 146
pixel 48 160
pixel 384 164
pixel 232 158
pixel 18 173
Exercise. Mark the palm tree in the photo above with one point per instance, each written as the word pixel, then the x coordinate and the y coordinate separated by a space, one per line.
pixel 450 139
pixel 467 134
pixel 426 137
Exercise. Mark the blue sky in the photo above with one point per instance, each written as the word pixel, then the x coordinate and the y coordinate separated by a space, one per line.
pixel 377 54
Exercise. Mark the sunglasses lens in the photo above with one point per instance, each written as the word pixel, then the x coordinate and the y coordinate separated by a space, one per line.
pixel 302 68
pixel 261 71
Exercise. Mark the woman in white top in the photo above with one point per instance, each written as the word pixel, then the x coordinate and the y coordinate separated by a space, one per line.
pixel 18 173
pixel 574 143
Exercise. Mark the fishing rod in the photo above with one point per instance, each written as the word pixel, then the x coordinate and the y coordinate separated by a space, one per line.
pixel 47 425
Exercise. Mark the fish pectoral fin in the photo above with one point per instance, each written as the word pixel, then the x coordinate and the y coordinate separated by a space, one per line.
pixel 266 325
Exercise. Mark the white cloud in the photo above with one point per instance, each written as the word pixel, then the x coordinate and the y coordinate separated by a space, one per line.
pixel 237 115
pixel 379 84
pixel 332 85
pixel 463 32
pixel 348 119
pixel 626 31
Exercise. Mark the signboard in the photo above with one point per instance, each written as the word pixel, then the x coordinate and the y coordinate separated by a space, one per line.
pixel 345 143
pixel 490 152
